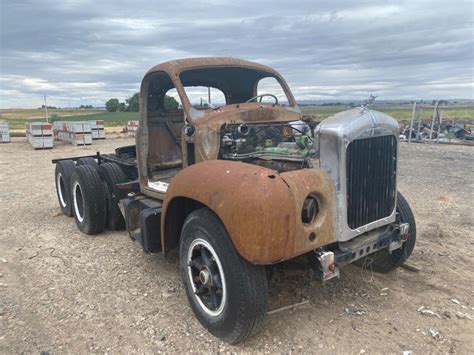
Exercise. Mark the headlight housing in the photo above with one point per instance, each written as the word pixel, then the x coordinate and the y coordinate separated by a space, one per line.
pixel 310 209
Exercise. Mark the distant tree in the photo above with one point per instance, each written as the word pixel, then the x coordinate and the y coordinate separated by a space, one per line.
pixel 133 103
pixel 170 103
pixel 55 117
pixel 122 107
pixel 112 105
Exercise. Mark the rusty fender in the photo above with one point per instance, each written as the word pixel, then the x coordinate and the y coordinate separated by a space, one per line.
pixel 260 208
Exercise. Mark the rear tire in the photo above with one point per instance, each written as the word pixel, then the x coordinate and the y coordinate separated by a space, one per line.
pixel 87 161
pixel 111 174
pixel 384 262
pixel 227 294
pixel 88 200
pixel 63 173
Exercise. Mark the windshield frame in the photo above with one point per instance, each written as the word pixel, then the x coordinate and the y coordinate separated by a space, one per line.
pixel 218 82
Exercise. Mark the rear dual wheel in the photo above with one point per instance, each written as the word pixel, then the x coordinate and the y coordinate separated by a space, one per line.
pixel 63 173
pixel 111 174
pixel 89 192
pixel 62 177
pixel 88 200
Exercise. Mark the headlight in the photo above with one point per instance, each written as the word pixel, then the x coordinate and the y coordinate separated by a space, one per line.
pixel 310 210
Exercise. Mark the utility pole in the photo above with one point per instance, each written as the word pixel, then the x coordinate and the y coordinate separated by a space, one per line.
pixel 46 109
pixel 209 94
pixel 410 131
pixel 435 116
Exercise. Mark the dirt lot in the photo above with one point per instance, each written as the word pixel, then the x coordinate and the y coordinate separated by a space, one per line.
pixel 64 292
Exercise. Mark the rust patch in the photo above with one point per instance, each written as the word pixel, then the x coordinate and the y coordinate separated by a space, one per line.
pixel 262 215
pixel 315 182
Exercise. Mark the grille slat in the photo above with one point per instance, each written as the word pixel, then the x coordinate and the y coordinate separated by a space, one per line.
pixel 371 179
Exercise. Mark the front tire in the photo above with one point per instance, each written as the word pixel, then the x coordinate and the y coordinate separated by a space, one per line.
pixel 384 262
pixel 227 294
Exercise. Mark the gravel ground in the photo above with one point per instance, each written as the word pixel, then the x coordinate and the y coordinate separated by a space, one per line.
pixel 65 292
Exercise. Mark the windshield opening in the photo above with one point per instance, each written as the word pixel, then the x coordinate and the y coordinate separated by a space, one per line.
pixel 230 85
pixel 268 89
pixel 203 98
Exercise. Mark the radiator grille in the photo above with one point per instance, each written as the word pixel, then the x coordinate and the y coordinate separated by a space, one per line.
pixel 371 165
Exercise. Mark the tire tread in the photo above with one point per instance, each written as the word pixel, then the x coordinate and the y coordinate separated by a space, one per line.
pixel 111 174
pixel 87 161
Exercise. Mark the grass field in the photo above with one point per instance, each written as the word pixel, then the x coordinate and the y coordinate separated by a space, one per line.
pixel 18 118
pixel 111 119
pixel 461 112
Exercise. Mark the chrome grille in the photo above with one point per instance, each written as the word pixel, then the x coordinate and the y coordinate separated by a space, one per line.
pixel 371 166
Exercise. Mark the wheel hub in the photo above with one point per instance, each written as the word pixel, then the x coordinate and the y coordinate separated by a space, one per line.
pixel 206 277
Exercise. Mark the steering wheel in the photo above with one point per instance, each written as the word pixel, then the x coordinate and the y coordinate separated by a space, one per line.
pixel 255 98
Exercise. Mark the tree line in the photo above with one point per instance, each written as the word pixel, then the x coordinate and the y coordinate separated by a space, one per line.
pixel 132 104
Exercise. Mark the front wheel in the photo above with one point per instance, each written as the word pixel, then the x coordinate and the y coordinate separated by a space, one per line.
pixel 227 294
pixel 382 261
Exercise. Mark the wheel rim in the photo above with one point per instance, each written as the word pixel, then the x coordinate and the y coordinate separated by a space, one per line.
pixel 61 189
pixel 78 202
pixel 206 277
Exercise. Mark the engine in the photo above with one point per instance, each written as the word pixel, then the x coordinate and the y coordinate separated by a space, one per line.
pixel 282 146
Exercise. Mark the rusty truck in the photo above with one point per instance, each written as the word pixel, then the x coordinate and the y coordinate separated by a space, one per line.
pixel 242 184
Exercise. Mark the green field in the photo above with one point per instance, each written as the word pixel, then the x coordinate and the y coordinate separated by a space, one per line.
pixel 111 119
pixel 461 112
pixel 18 118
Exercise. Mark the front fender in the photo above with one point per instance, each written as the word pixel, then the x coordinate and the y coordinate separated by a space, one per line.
pixel 260 208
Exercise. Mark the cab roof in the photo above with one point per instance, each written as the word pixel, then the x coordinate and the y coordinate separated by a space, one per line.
pixel 174 67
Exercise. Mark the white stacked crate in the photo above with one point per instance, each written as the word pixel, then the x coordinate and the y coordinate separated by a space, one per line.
pixel 132 127
pixel 75 132
pixel 40 135
pixel 98 131
pixel 4 132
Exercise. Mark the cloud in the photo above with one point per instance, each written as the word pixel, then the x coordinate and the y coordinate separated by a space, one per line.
pixel 89 51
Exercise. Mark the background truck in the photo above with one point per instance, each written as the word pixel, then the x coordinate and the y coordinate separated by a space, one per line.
pixel 243 184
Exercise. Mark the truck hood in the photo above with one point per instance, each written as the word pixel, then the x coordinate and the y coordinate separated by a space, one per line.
pixel 246 112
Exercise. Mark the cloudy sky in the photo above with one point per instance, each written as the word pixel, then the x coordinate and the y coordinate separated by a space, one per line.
pixel 84 52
